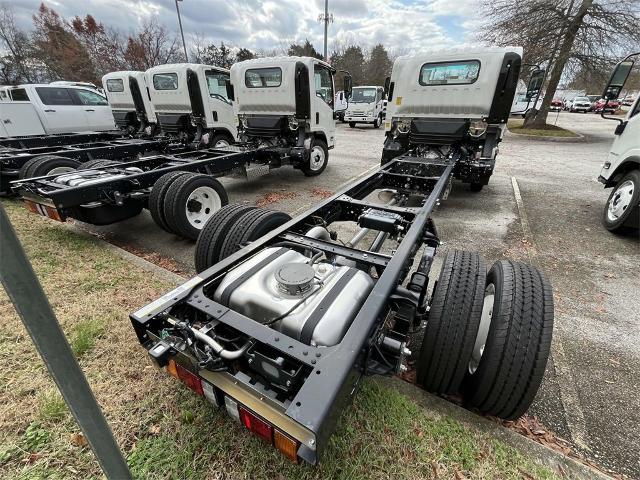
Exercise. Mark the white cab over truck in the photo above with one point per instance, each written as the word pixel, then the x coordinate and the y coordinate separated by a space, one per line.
pixel 190 100
pixel 366 105
pixel 621 170
pixel 443 100
pixel 288 103
pixel 36 109
pixel 130 101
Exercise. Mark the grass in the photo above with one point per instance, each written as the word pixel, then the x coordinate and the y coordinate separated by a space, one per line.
pixel 517 127
pixel 164 429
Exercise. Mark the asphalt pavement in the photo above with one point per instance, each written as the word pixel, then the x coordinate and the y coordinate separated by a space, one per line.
pixel 591 391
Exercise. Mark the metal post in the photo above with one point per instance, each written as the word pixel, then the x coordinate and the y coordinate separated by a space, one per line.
pixel 184 45
pixel 326 28
pixel 30 301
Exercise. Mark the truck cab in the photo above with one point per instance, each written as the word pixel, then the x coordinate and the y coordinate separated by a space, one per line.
pixel 130 102
pixel 58 109
pixel 366 105
pixel 190 101
pixel 621 169
pixel 440 100
pixel 288 102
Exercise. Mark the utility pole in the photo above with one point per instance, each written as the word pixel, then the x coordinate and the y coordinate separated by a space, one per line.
pixel 184 45
pixel 326 18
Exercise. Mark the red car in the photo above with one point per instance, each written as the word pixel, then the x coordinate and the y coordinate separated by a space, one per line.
pixel 611 106
pixel 556 105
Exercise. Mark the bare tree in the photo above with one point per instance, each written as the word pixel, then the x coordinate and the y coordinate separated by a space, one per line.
pixel 152 46
pixel 566 36
pixel 14 64
pixel 104 45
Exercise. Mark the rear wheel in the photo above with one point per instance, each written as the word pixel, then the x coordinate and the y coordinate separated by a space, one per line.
pixel 622 210
pixel 220 140
pixel 249 227
pixel 454 318
pixel 510 356
pixel 318 159
pixel 157 196
pixel 47 165
pixel 377 122
pixel 190 201
pixel 214 233
pixel 476 186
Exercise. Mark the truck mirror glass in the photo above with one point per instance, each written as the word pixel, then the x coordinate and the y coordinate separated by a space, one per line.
pixel 617 80
pixel 535 84
pixel 347 85
pixel 230 93
pixel 387 81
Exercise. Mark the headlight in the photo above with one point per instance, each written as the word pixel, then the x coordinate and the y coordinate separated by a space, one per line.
pixel 370 112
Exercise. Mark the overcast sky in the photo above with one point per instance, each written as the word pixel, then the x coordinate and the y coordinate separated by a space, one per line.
pixel 401 25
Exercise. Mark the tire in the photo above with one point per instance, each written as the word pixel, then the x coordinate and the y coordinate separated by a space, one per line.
pixel 157 196
pixel 214 233
pixel 352 124
pixel 220 138
pixel 249 227
pixel 97 163
pixel 42 165
pixel 622 210
pixel 476 186
pixel 454 318
pixel 318 159
pixel 508 365
pixel 52 165
pixel 377 122
pixel 190 201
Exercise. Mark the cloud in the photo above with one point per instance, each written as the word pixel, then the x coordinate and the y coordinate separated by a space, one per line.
pixel 401 25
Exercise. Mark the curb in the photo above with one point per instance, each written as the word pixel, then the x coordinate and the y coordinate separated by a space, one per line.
pixel 556 461
pixel 579 138
pixel 565 466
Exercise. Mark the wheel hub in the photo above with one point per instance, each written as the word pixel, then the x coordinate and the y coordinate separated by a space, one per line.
pixel 483 329
pixel 620 200
pixel 201 204
pixel 316 158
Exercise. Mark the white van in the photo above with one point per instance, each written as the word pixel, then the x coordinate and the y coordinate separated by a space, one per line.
pixel 190 100
pixel 366 105
pixel 58 109
pixel 130 101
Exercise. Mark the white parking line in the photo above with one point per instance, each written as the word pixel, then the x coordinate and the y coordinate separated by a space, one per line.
pixel 566 384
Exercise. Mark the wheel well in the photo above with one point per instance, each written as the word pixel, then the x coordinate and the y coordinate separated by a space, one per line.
pixel 321 136
pixel 222 131
pixel 629 164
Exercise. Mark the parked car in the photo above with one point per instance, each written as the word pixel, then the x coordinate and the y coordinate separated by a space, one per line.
pixel 580 104
pixel 594 99
pixel 39 109
pixel 628 101
pixel 556 105
pixel 602 106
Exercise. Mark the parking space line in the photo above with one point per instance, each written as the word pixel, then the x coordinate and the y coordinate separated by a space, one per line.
pixel 566 384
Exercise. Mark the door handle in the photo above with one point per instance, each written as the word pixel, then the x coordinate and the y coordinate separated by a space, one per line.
pixel 90 110
pixel 49 110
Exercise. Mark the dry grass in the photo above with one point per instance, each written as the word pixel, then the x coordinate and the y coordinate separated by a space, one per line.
pixel 516 126
pixel 164 430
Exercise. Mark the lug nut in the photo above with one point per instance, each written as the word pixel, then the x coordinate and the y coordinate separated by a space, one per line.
pixel 406 352
pixel 403 368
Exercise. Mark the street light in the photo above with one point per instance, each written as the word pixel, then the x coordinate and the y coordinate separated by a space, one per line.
pixel 184 45
pixel 325 18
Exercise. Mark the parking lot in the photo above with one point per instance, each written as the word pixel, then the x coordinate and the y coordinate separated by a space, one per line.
pixel 553 221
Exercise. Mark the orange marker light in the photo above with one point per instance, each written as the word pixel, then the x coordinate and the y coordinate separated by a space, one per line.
pixel 286 445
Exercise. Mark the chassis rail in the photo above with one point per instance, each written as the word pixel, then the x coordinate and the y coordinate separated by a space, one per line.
pixel 312 413
pixel 33 141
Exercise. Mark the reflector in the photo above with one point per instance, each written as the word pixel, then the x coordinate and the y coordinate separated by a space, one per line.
pixel 286 445
pixel 190 379
pixel 171 369
pixel 255 424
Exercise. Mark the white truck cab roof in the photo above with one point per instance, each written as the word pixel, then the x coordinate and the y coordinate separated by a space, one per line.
pixel 452 83
pixel 127 92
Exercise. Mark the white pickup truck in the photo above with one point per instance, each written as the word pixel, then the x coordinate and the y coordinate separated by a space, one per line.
pixel 40 109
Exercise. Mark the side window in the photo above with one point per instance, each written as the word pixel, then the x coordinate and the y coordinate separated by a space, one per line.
pixel 165 81
pixel 19 95
pixel 449 73
pixel 91 98
pixel 217 84
pixel 55 96
pixel 115 85
pixel 263 77
pixel 324 83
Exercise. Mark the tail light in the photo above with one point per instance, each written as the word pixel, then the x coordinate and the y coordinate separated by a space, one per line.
pixel 287 446
pixel 190 379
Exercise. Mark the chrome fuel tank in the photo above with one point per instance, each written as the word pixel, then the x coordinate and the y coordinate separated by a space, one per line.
pixel 322 304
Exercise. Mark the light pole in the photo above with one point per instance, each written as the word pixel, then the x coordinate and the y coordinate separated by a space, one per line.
pixel 326 18
pixel 184 45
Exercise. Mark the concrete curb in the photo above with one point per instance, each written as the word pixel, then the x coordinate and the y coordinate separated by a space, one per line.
pixel 578 139
pixel 543 455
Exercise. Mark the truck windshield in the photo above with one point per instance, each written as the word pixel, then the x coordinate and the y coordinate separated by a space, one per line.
pixel 217 84
pixel 363 95
pixel 449 73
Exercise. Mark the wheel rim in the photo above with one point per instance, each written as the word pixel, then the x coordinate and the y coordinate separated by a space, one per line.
pixel 222 143
pixel 316 158
pixel 483 330
pixel 60 170
pixel 202 203
pixel 620 200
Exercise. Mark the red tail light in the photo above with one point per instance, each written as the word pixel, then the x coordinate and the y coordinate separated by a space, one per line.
pixel 256 425
pixel 191 380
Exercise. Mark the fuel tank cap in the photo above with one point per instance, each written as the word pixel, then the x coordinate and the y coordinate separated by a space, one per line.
pixel 295 278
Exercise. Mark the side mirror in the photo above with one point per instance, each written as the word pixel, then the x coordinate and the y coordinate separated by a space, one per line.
pixel 535 84
pixel 617 80
pixel 387 82
pixel 348 85
pixel 230 93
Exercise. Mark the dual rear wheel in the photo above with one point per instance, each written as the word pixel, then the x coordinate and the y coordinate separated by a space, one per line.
pixel 488 335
